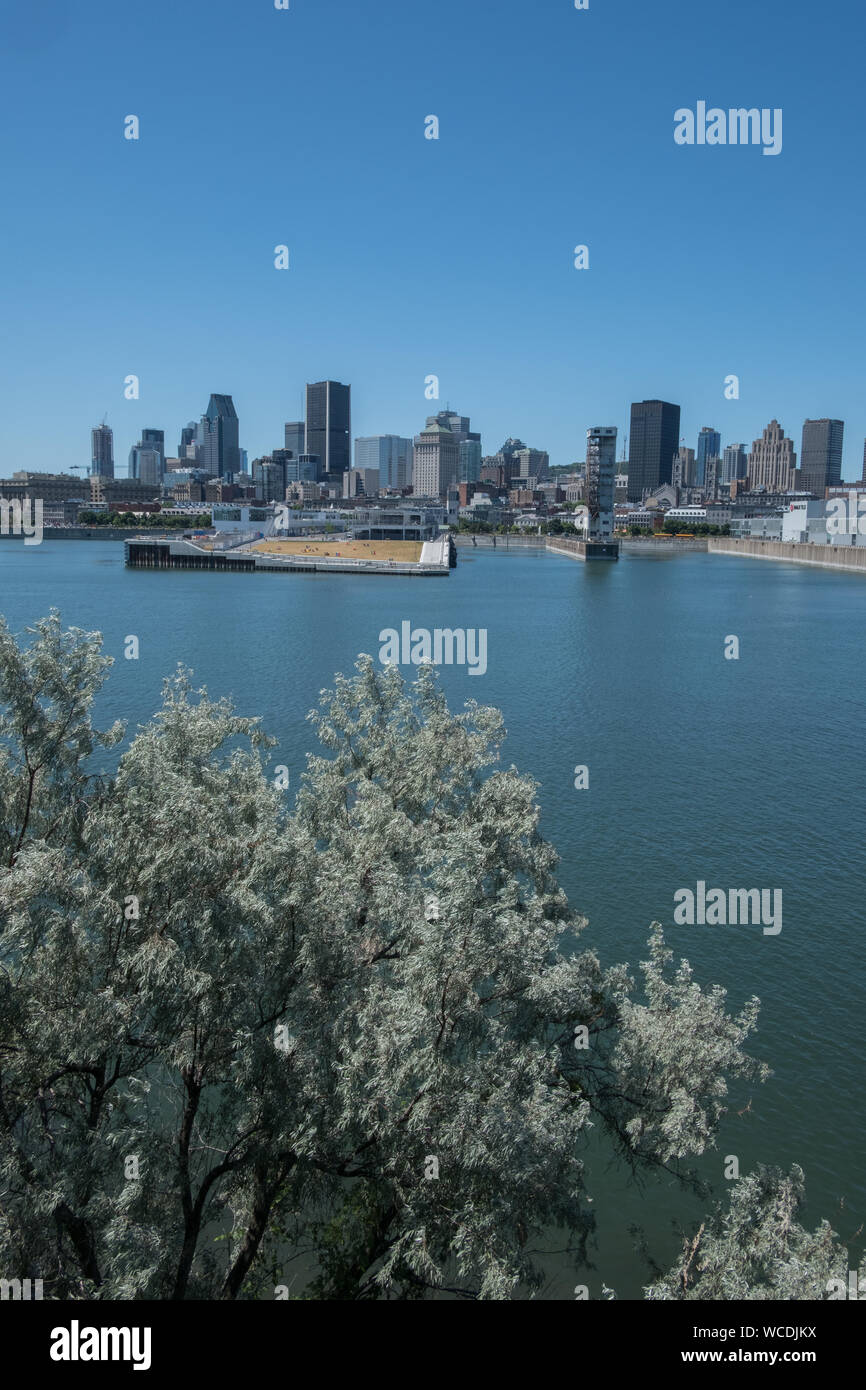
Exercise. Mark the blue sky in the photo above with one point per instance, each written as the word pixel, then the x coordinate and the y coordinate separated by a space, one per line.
pixel 411 256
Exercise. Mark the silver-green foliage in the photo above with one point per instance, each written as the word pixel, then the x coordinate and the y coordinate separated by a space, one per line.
pixel 158 926
pixel 757 1249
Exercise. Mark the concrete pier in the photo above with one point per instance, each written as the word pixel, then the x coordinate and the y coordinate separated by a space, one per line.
pixel 147 553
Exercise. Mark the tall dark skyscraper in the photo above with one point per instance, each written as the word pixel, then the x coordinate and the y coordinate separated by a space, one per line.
pixel 219 428
pixel 329 426
pixel 654 440
pixel 821 455
pixel 102 452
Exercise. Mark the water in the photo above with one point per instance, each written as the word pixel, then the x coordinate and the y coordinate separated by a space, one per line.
pixel 742 773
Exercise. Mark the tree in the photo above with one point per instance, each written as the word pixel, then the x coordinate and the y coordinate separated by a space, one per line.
pixel 758 1250
pixel 232 1030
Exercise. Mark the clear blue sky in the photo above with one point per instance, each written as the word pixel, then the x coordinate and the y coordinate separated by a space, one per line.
pixel 411 256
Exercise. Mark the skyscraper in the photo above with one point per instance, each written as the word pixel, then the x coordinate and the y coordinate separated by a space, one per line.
pixel 772 460
pixel 391 454
pixel 735 463
pixel 146 464
pixel 468 443
pixel 189 440
pixel 295 437
pixel 102 452
pixel 437 460
pixel 220 453
pixel 469 468
pixel 654 438
pixel 329 427
pixel 155 439
pixel 821 455
pixel 709 446
pixel 600 481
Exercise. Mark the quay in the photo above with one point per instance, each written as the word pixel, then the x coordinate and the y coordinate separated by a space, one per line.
pixel 242 556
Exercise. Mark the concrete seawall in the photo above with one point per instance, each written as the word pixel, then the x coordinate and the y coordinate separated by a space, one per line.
pixel 486 542
pixel 837 557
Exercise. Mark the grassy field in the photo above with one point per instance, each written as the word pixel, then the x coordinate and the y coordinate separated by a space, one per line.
pixel 406 551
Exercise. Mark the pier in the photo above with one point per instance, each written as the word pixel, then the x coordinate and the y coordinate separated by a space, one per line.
pixel 435 558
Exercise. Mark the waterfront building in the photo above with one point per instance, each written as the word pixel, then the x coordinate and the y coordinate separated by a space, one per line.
pixel 102 451
pixel 772 460
pixel 328 428
pixel 654 438
pixel 600 485
pixel 821 455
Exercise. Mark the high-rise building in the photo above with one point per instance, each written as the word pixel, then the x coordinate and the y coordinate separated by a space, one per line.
pixel 735 463
pixel 329 427
pixel 469 443
pixel 304 468
pixel 391 454
pixel 437 460
pixel 654 438
pixel 189 440
pixel 469 467
pixel 146 464
pixel 821 455
pixel 220 454
pixel 709 446
pixel 361 482
pixel 295 432
pixel 533 463
pixel 772 460
pixel 272 474
pixel 155 439
pixel 457 424
pixel 863 475
pixel 102 452
pixel 600 481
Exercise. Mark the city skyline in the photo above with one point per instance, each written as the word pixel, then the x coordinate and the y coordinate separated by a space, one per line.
pixel 294 431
